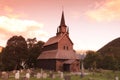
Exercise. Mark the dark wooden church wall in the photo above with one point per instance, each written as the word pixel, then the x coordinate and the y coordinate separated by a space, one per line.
pixel 47 64
pixel 50 47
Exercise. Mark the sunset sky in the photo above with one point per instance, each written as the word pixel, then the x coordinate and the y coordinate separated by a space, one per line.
pixel 92 23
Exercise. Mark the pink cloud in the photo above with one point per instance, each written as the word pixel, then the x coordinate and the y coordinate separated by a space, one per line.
pixel 108 11
pixel 26 28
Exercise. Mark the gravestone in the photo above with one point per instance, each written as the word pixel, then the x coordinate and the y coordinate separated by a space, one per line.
pixel 116 78
pixel 39 75
pixel 17 75
pixel 61 75
pixel 44 75
pixel 5 76
pixel 53 76
pixel 27 76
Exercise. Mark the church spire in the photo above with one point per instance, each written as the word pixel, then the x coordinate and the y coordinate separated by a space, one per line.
pixel 62 23
pixel 62 28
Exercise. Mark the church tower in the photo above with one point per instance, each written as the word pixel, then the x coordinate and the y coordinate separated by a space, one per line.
pixel 62 29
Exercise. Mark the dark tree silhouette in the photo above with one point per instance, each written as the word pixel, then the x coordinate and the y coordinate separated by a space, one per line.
pixel 15 53
pixel 92 60
pixel 34 50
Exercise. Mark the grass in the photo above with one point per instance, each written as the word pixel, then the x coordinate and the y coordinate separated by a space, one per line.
pixel 104 75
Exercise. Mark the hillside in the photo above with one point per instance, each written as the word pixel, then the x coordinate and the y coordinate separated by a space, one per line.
pixel 112 48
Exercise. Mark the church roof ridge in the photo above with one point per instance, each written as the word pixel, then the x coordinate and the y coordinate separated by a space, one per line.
pixel 56 39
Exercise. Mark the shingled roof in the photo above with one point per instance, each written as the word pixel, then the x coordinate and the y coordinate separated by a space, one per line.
pixel 56 39
pixel 58 54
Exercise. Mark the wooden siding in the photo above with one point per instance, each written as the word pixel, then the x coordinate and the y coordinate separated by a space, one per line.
pixel 64 43
pixel 59 64
pixel 47 64
pixel 50 47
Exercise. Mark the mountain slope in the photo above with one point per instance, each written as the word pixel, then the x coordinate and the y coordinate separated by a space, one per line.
pixel 112 48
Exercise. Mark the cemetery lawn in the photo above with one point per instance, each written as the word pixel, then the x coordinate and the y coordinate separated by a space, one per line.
pixel 104 75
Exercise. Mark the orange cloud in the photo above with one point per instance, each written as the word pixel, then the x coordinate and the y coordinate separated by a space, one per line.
pixel 109 11
pixel 10 12
pixel 26 28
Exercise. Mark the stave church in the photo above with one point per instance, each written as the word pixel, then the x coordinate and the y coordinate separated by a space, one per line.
pixel 58 53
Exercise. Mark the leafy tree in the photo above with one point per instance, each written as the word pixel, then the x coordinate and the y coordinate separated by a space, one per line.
pixel 34 50
pixel 110 62
pixel 89 59
pixel 15 53
pixel 92 60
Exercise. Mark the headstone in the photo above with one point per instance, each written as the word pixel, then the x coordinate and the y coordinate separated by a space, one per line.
pixel 53 76
pixel 61 75
pixel 59 72
pixel 39 75
pixel 17 75
pixel 21 71
pixel 116 78
pixel 27 76
pixel 14 71
pixel 44 75
pixel 5 76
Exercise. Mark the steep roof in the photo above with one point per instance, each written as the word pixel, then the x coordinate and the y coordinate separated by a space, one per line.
pixel 58 54
pixel 56 39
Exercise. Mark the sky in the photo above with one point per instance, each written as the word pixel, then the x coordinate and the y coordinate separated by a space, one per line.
pixel 92 23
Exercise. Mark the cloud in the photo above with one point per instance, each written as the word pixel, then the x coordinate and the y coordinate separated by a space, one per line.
pixel 108 11
pixel 11 12
pixel 26 28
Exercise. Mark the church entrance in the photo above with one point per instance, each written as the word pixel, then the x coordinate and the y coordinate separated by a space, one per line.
pixel 66 67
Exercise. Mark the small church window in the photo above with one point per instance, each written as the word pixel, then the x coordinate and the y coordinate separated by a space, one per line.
pixel 67 47
pixel 64 47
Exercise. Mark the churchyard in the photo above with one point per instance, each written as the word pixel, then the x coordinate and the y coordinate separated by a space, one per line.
pixel 50 75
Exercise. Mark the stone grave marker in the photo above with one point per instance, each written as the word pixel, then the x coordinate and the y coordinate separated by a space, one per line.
pixel 44 76
pixel 27 76
pixel 5 76
pixel 39 75
pixel 61 75
pixel 116 78
pixel 17 75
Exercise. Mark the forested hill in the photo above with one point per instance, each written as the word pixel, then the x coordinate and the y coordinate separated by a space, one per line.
pixel 112 48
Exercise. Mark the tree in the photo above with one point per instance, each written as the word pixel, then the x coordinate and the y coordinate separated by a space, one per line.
pixel 110 62
pixel 92 60
pixel 15 53
pixel 34 50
